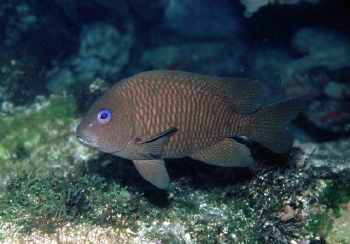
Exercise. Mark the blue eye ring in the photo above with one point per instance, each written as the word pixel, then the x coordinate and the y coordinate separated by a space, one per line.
pixel 104 116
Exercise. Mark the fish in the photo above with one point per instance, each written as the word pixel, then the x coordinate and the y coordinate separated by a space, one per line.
pixel 157 115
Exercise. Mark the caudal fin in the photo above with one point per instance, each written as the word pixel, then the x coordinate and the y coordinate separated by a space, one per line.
pixel 268 125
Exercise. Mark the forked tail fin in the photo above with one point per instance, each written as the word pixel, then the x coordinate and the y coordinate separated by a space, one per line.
pixel 268 125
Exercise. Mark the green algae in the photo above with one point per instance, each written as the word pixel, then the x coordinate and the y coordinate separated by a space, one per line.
pixel 32 201
pixel 331 222
pixel 320 224
pixel 35 202
pixel 43 203
pixel 22 128
pixel 28 133
pixel 336 193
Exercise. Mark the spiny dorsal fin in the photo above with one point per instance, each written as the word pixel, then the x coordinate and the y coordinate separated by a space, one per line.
pixel 245 96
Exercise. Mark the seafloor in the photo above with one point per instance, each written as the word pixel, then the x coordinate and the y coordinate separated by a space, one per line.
pixel 57 57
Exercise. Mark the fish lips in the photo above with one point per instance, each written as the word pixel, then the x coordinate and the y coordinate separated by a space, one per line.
pixel 85 140
pixel 89 142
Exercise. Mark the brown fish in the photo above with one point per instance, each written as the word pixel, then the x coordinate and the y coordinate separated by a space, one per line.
pixel 168 114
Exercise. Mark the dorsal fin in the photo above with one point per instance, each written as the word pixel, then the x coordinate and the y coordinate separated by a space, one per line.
pixel 245 95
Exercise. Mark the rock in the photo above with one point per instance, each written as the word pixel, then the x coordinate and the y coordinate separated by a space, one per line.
pixel 42 137
pixel 313 40
pixel 321 75
pixel 253 6
pixel 103 52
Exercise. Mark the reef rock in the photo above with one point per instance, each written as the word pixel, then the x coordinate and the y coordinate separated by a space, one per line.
pixel 103 52
pixel 321 75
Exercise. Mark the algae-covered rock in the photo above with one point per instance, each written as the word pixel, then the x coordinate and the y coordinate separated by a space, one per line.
pixel 93 209
pixel 42 137
pixel 296 203
pixel 321 75
pixel 329 171
pixel 331 219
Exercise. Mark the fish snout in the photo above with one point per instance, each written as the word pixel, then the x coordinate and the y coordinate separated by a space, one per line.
pixel 85 140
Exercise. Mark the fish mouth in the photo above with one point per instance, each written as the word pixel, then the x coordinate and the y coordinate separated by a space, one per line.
pixel 87 141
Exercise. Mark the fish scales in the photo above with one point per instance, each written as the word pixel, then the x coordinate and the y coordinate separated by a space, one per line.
pixel 155 95
pixel 167 114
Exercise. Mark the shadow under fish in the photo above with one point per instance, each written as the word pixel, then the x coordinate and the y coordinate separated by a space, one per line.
pixel 156 115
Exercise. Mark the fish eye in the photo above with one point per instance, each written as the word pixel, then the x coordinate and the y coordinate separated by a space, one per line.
pixel 104 116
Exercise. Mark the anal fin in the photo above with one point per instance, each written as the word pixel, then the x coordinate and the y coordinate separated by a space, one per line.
pixel 226 153
pixel 154 171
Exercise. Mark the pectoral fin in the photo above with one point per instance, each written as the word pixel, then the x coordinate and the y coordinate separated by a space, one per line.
pixel 227 153
pixel 153 147
pixel 154 171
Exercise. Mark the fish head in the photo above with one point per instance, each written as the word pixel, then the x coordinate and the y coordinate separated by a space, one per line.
pixel 107 126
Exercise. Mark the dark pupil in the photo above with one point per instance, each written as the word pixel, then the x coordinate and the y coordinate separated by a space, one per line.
pixel 104 116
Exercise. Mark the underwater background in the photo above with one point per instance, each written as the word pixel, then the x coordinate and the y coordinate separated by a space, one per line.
pixel 58 56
